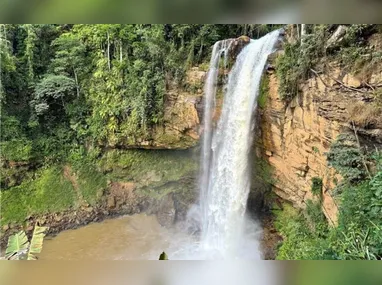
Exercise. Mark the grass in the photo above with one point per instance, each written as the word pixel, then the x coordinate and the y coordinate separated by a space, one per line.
pixel 91 183
pixel 49 192
pixel 298 240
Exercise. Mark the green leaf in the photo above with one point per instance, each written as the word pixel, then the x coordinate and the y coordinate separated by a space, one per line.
pixel 36 242
pixel 17 246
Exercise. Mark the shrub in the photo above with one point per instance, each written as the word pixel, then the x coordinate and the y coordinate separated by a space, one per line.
pixel 316 219
pixel 346 157
pixel 16 150
pixel 298 240
pixel 294 64
pixel 316 186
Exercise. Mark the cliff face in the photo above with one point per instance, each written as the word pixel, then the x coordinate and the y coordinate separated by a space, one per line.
pixel 295 136
pixel 180 128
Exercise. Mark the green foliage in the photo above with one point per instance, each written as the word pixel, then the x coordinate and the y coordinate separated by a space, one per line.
pixel 36 242
pixel 52 90
pixel 354 54
pixel 298 240
pixel 46 200
pixel 70 58
pixel 358 234
pixel 293 66
pixel 316 186
pixel 19 248
pixel 287 72
pixel 91 183
pixel 7 59
pixel 316 219
pixel 14 144
pixel 376 188
pixel 16 150
pixel 99 84
pixel 53 146
pixel 346 157
pixel 49 192
pixel 357 243
pixel 264 91
pixel 262 172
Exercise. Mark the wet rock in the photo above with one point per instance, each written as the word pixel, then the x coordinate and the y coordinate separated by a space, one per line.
pixel 238 44
pixel 166 211
pixel 5 227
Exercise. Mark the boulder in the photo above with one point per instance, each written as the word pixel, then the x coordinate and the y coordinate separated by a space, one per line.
pixel 166 211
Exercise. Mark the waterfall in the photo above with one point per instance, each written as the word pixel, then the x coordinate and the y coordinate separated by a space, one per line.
pixel 225 177
pixel 210 89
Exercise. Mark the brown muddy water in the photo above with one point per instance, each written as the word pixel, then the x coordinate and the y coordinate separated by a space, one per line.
pixel 125 238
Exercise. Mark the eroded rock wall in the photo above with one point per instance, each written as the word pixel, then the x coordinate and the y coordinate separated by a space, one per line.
pixel 181 120
pixel 296 136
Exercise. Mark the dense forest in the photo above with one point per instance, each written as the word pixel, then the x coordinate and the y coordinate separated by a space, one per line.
pixel 70 93
pixel 67 85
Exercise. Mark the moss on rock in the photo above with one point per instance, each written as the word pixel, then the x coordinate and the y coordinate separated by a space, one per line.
pixel 154 167
pixel 48 192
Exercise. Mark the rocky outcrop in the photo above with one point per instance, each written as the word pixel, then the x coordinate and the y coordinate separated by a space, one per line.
pixel 180 127
pixel 295 136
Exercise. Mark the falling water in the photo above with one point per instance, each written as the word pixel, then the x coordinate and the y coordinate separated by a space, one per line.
pixel 225 178
pixel 210 89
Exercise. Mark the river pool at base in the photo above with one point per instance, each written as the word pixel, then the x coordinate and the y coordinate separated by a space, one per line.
pixel 125 238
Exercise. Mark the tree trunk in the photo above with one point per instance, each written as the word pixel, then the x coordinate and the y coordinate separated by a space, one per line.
pixel 298 32
pixel 120 52
pixel 108 50
pixel 303 33
pixel 77 86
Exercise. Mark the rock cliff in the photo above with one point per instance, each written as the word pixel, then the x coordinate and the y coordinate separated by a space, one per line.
pixel 180 128
pixel 296 135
